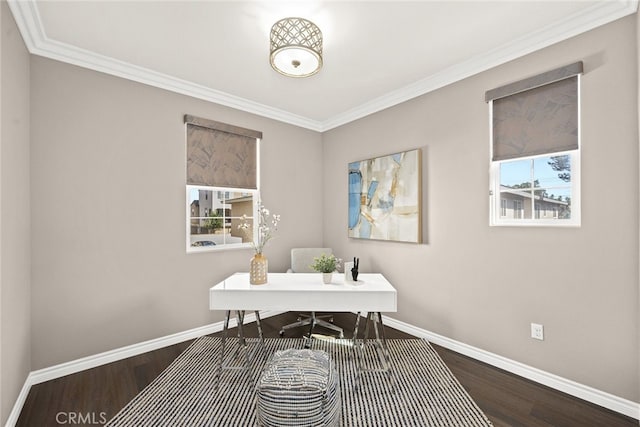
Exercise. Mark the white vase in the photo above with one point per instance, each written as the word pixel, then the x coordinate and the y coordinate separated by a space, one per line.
pixel 326 278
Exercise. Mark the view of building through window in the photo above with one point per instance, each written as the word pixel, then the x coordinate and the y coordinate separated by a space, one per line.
pixel 215 215
pixel 536 188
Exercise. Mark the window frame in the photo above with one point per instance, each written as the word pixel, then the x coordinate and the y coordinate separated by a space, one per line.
pixel 255 193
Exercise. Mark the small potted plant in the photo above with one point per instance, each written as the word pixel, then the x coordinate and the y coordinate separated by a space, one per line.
pixel 326 264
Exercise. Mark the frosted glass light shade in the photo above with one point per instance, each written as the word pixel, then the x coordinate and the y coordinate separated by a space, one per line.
pixel 296 47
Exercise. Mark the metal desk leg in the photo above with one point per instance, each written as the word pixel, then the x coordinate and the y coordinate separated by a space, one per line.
pixel 224 340
pixel 260 336
pixel 385 349
pixel 379 347
pixel 377 344
pixel 257 313
pixel 357 351
pixel 355 329
pixel 242 345
pixel 366 328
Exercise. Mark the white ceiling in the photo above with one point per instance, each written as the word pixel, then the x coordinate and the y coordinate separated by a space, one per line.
pixel 376 53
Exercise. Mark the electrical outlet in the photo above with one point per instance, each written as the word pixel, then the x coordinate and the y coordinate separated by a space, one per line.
pixel 537 331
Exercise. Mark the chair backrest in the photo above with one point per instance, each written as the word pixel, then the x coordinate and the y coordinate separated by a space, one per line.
pixel 302 258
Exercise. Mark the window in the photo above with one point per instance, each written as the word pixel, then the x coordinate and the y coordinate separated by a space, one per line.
pixel 535 154
pixel 222 184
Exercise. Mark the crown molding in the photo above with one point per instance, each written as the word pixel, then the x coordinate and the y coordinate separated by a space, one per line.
pixel 599 14
pixel 28 20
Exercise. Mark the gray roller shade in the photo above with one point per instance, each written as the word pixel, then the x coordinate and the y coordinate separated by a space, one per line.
pixel 538 115
pixel 221 155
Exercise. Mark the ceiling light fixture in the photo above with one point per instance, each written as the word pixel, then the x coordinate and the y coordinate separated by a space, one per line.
pixel 296 47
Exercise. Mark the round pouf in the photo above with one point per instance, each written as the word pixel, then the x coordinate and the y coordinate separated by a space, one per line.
pixel 298 388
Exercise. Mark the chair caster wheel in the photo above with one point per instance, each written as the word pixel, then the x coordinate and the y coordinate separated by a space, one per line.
pixel 281 333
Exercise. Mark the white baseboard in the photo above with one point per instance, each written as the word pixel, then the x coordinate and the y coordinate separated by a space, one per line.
pixel 78 365
pixel 590 394
pixel 607 400
pixel 17 407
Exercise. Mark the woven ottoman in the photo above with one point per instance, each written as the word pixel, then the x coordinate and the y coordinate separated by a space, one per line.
pixel 298 388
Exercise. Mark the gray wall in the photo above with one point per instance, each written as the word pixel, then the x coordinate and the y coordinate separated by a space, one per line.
pixel 483 286
pixel 107 273
pixel 15 268
pixel 638 95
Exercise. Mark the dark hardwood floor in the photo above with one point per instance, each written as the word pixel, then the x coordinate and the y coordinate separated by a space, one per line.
pixel 93 396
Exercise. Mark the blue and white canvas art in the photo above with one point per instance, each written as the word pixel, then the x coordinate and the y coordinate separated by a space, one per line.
pixel 385 198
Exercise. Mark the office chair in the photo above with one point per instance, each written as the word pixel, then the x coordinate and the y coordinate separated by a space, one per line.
pixel 301 260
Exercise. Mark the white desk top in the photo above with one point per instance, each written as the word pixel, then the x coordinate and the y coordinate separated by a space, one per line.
pixel 304 292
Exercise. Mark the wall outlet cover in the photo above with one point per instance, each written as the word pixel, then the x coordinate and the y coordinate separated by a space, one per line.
pixel 537 331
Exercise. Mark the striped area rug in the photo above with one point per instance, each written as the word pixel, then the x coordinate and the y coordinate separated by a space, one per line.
pixel 426 393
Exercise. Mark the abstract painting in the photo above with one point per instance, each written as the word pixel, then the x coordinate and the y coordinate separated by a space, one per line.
pixel 385 198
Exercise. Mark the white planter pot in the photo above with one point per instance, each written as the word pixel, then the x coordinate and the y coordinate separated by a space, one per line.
pixel 326 277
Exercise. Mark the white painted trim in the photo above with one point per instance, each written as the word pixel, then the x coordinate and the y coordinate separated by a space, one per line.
pixel 590 394
pixel 28 20
pixel 601 398
pixel 89 362
pixel 17 407
pixel 78 365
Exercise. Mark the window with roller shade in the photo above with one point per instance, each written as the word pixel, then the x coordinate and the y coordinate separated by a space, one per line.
pixel 222 184
pixel 535 150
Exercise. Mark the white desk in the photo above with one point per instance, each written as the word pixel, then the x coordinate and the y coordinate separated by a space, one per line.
pixel 306 292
